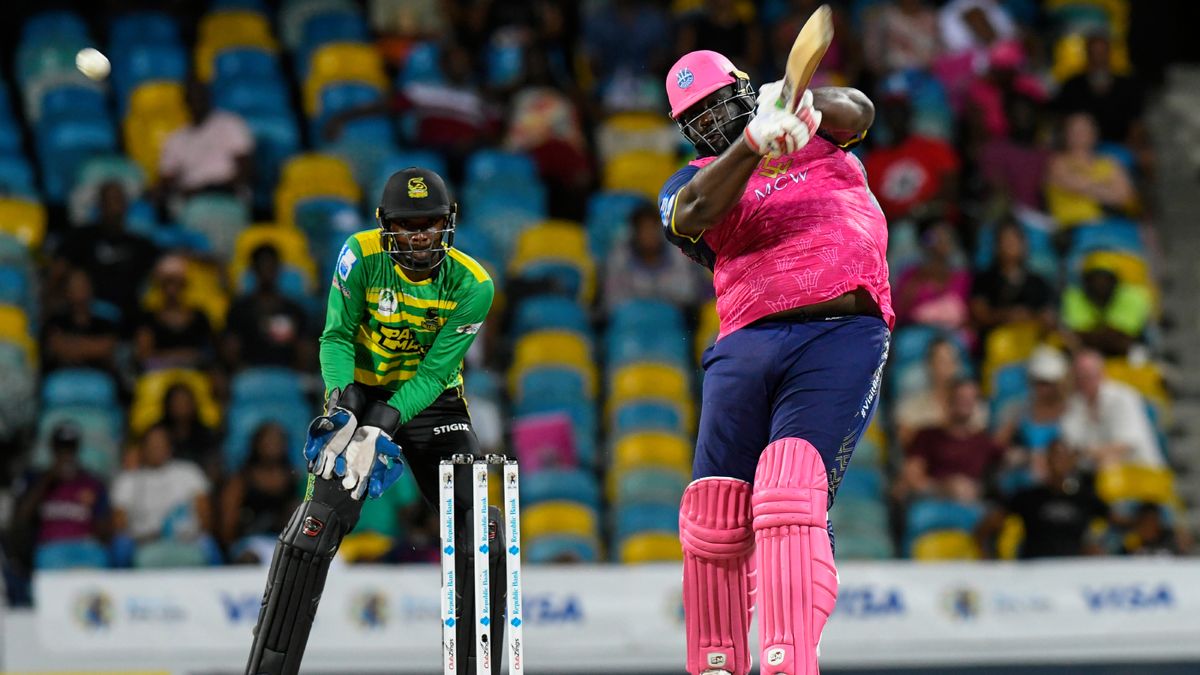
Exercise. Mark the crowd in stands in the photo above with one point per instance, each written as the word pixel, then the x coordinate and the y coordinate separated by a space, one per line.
pixel 166 236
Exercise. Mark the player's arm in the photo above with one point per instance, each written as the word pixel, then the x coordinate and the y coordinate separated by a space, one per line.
pixel 440 364
pixel 343 315
pixel 846 113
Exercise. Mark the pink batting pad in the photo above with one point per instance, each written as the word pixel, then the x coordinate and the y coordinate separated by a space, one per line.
pixel 797 575
pixel 718 582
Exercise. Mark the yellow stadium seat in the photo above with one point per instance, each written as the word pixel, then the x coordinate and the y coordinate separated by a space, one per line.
pixel 205 291
pixel 1070 57
pixel 227 29
pixel 290 242
pixel 945 545
pixel 630 131
pixel 706 332
pixel 652 381
pixel 24 220
pixel 558 241
pixel 640 172
pixel 650 547
pixel 1145 377
pixel 156 110
pixel 552 347
pixel 312 175
pixel 557 518
pixel 364 546
pixel 14 328
pixel 651 449
pixel 1132 483
pixel 148 394
pixel 1012 534
pixel 1008 344
pixel 342 62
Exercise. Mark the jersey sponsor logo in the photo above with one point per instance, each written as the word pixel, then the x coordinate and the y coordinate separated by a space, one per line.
pixel 447 428
pixel 417 188
pixel 400 340
pixel 431 319
pixel 346 262
pixel 666 208
pixel 684 78
pixel 338 284
pixel 780 182
pixel 387 302
pixel 469 328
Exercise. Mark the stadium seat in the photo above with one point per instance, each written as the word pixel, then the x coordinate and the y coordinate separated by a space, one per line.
pixel 24 220
pixel 556 251
pixel 545 440
pixel 505 214
pixel 635 131
pixel 663 346
pixel 927 515
pixel 290 243
pixel 651 449
pixel 558 518
pixel 652 381
pixel 861 482
pixel 1010 385
pixel 138 63
pixel 1132 483
pixel 66 143
pixel 156 110
pixel 550 348
pixel 168 554
pixel 100 441
pixel 551 549
pixel 562 382
pixel 245 62
pixel 640 172
pixel 250 94
pixel 647 416
pixel 494 167
pixel 312 175
pixel 219 217
pixel 16 289
pixel 650 547
pixel 941 545
pixel 16 177
pixel 205 291
pixel 333 25
pixel 582 415
pixel 70 554
pixel 854 546
pixel 650 486
pixel 276 138
pixel 342 62
pixel 144 27
pixel 294 14
pixel 548 312
pixel 244 422
pixel 221 30
pixel 148 393
pixel 266 383
pixel 548 485
pixel 643 315
pixel 79 386
pixel 423 65
pixel 607 219
pixel 52 25
pixel 1111 234
pixel 1005 345
pixel 852 514
pixel 71 100
pixel 644 519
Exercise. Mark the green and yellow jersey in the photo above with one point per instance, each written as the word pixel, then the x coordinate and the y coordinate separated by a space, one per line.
pixel 384 330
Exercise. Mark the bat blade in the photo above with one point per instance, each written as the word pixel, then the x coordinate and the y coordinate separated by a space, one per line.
pixel 806 53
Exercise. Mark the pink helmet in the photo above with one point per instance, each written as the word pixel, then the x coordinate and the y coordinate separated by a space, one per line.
pixel 696 75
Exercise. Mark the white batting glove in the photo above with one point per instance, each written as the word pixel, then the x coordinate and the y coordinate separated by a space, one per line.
pixel 370 442
pixel 775 130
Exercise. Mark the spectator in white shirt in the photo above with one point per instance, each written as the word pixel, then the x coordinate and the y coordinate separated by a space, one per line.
pixel 214 153
pixel 163 497
pixel 1107 421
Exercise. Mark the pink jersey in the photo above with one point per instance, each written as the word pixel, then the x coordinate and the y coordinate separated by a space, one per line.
pixel 807 229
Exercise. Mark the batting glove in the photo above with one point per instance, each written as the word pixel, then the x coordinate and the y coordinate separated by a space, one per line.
pixel 775 130
pixel 371 443
pixel 329 434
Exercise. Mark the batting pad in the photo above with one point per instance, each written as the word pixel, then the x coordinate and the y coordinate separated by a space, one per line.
pixel 797 576
pixel 718 582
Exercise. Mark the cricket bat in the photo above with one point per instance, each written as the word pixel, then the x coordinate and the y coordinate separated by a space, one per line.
pixel 806 54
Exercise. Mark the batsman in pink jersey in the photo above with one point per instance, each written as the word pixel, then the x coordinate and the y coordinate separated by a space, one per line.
pixel 780 211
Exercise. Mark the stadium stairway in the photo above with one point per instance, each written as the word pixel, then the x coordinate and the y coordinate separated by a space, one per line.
pixel 1175 125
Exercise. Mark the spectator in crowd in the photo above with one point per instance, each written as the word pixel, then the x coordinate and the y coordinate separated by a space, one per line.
pixel 412 19
pixel 176 335
pixel 1008 291
pixel 265 327
pixel 1032 423
pixel 928 406
pixel 1115 101
pixel 161 498
pixel 75 336
pixel 1014 166
pixel 912 175
pixel 900 35
pixel 192 440
pixel 643 267
pixel 842 60
pixel 1149 535
pixel 721 26
pixel 258 499
pixel 991 98
pixel 214 153
pixel 1058 514
pixel 62 503
pixel 1105 313
pixel 974 25
pixel 1106 420
pixel 1083 185
pixel 627 44
pixel 955 460
pixel 108 253
pixel 936 291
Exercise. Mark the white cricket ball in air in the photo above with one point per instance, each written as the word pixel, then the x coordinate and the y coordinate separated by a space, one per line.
pixel 92 63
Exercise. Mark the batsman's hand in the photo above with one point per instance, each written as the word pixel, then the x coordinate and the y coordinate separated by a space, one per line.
pixel 370 445
pixel 329 434
pixel 775 130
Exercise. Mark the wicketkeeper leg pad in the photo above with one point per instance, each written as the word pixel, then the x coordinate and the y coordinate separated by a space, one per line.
pixel 718 580
pixel 796 573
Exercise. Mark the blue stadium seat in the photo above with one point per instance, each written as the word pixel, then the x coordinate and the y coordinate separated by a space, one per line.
pixel 422 65
pixel 504 214
pixel 250 94
pixel 608 219
pixel 1110 234
pixel 478 244
pixel 543 312
pixel 628 346
pixel 647 416
pixel 1009 386
pixel 927 515
pixel 333 25
pixel 562 384
pixel 52 25
pixel 10 138
pixel 16 176
pixel 577 485
pixel 248 5
pixel 276 137
pixel 646 316
pixel 557 277
pixel 910 344
pixel 79 386
pixel 861 482
pixel 243 422
pixel 637 518
pixel 70 554
pixel 254 385
pixel 245 62
pixel 322 217
pixel 405 158
pixel 65 144
pixel 143 27
pixel 71 101
pixel 14 287
pixel 651 486
pixel 551 549
pixel 137 63
pixel 496 167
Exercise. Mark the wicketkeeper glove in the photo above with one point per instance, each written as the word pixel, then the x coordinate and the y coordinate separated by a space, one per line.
pixel 329 434
pixel 369 446
pixel 775 130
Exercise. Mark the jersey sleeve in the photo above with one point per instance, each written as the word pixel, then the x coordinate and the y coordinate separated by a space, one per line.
pixel 343 315
pixel 441 364
pixel 694 248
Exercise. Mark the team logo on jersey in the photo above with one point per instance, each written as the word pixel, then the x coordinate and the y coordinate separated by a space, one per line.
pixel 431 319
pixel 417 188
pixel 774 168
pixel 469 328
pixel 684 78
pixel 387 302
pixel 346 260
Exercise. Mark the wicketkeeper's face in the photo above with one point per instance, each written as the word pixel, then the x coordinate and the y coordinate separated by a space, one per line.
pixel 418 236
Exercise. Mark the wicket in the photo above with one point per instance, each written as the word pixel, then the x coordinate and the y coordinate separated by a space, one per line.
pixel 482 569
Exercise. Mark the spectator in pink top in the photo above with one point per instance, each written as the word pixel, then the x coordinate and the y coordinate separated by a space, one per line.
pixel 213 153
pixel 935 292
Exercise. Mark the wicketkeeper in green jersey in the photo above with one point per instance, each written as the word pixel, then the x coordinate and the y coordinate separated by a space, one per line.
pixel 404 307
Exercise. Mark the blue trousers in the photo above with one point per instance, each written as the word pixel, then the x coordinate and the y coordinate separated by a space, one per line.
pixel 817 380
